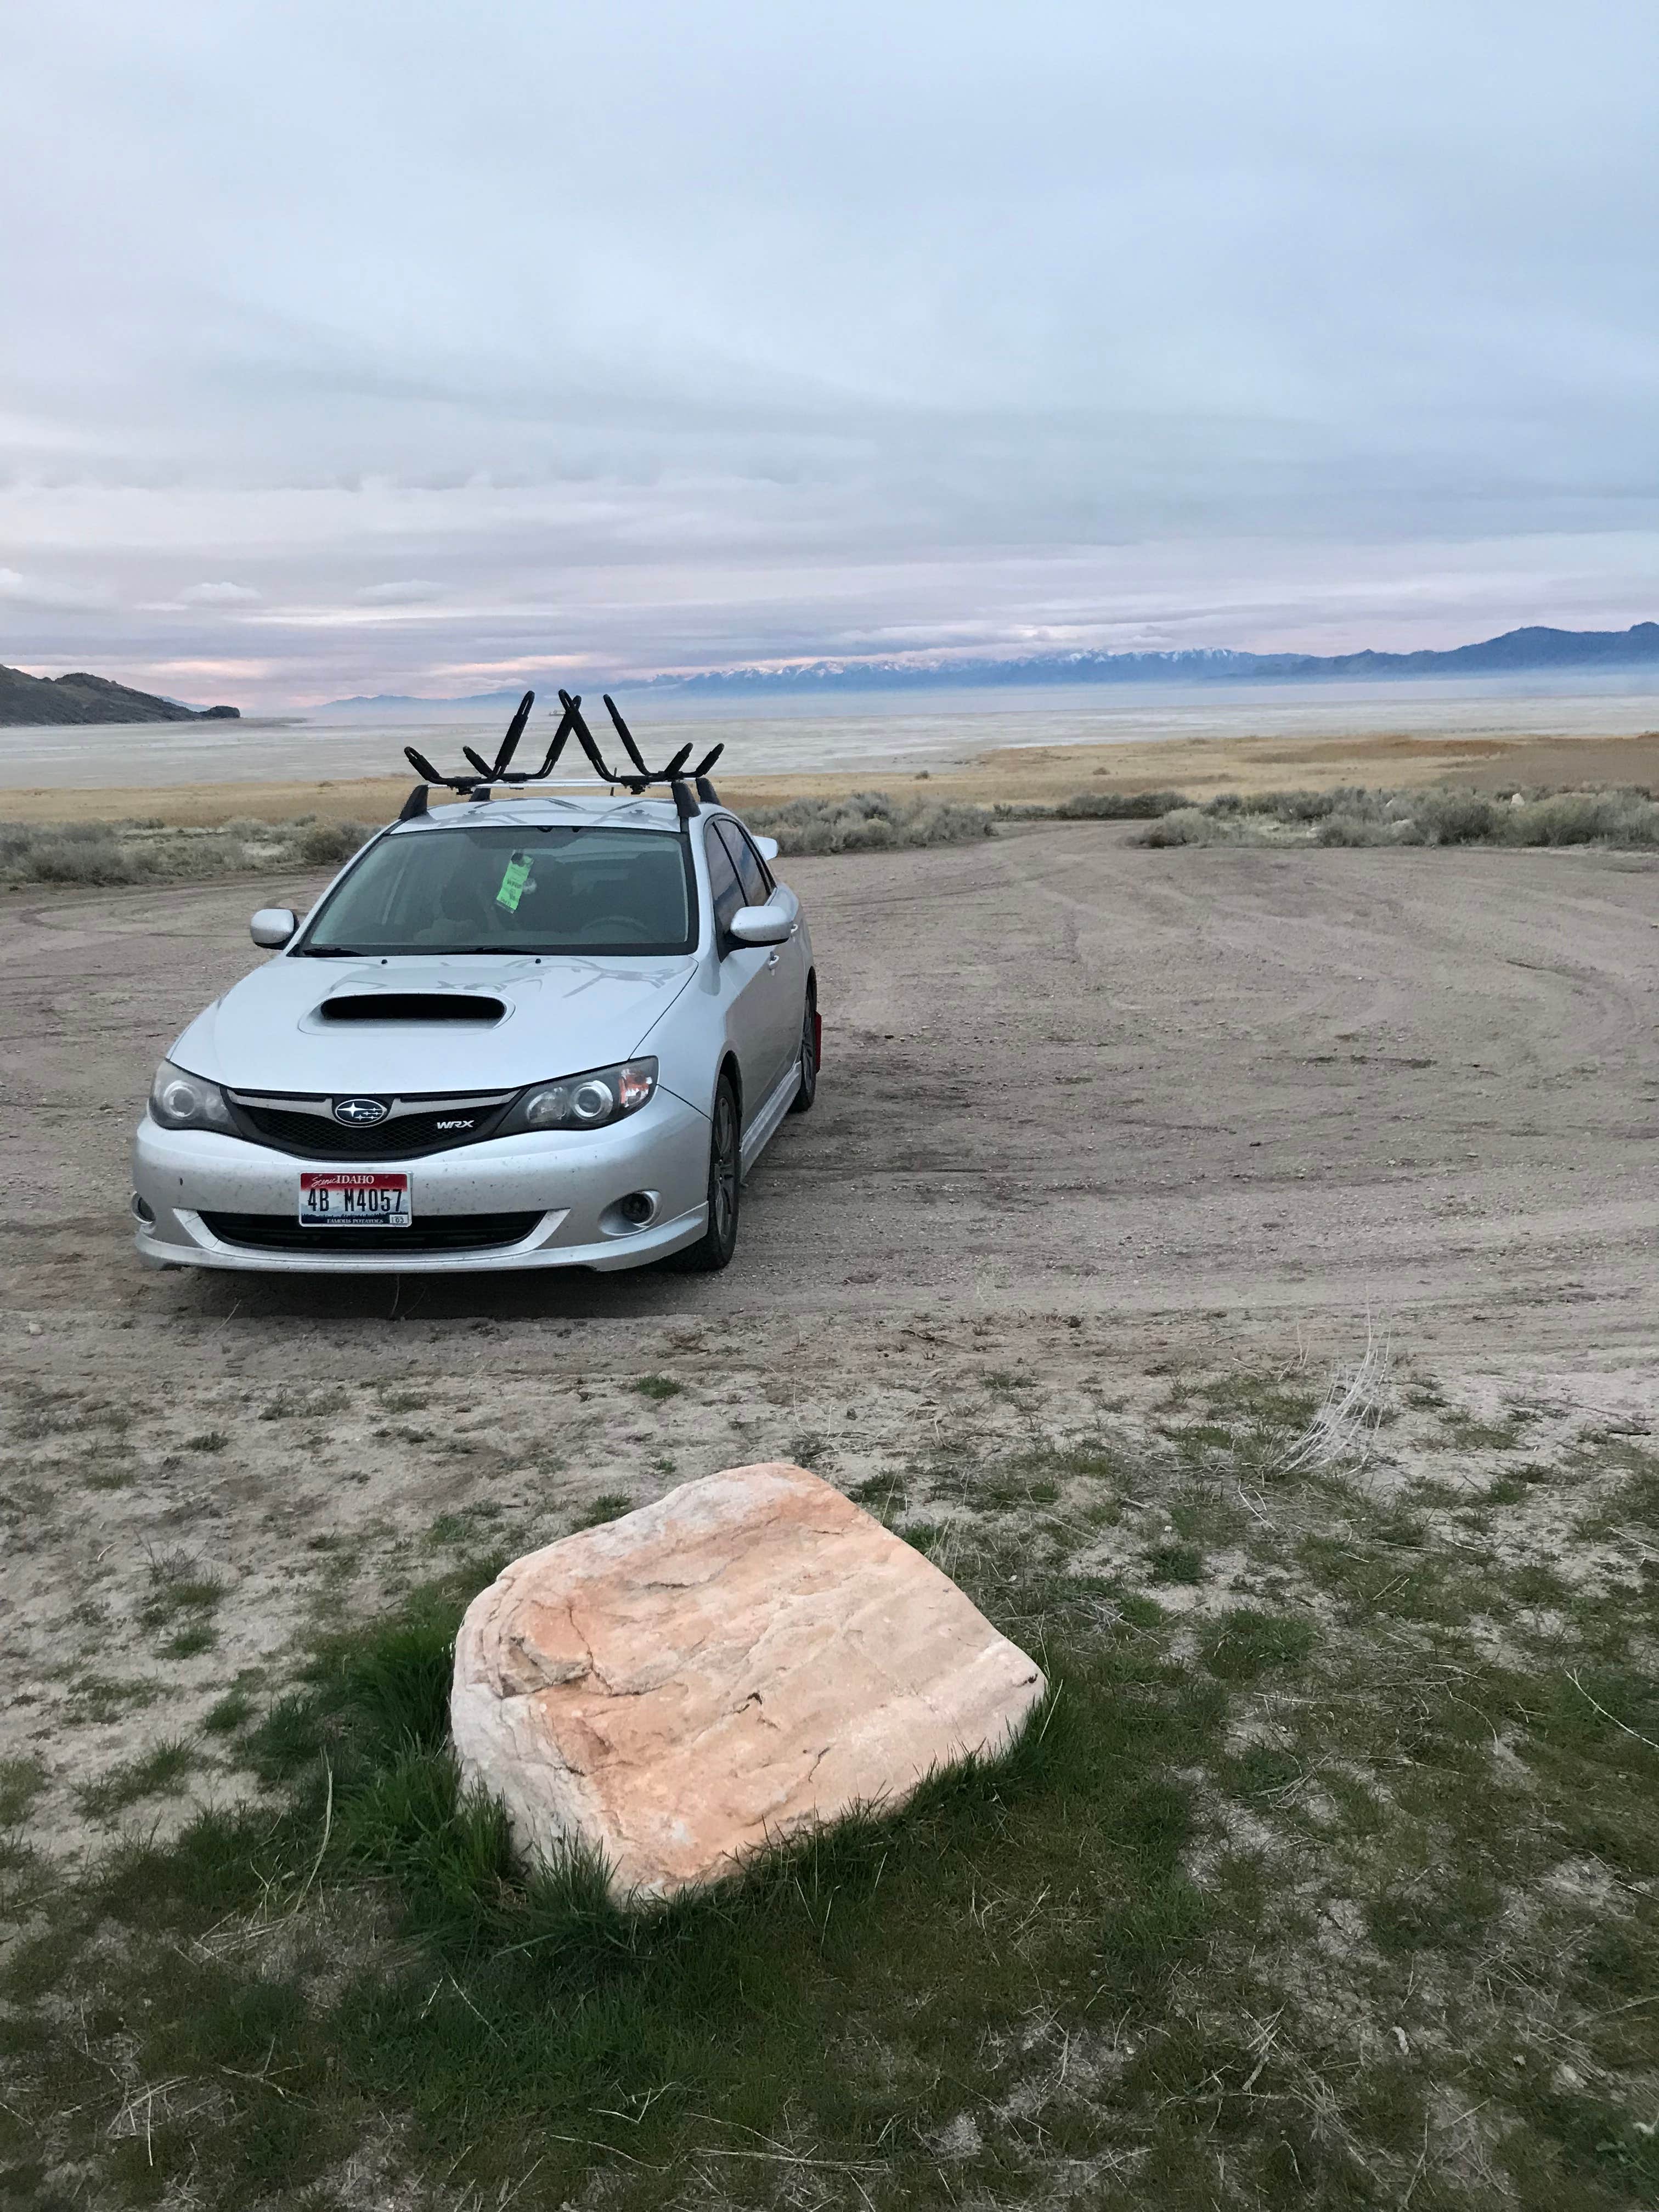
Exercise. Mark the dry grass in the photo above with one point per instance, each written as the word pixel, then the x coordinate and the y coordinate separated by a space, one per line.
pixel 1441 815
pixel 868 822
pixel 96 854
pixel 982 774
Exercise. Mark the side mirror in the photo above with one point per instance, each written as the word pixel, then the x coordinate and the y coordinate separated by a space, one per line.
pixel 759 924
pixel 766 847
pixel 272 927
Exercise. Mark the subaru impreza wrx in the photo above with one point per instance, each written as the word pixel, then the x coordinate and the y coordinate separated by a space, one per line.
pixel 526 1029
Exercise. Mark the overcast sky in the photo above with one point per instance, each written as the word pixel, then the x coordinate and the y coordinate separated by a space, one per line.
pixel 421 347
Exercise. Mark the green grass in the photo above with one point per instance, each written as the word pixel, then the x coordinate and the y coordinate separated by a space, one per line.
pixel 609 1505
pixel 1336 1890
pixel 229 1713
pixel 180 1605
pixel 161 1772
pixel 21 1781
pixel 513 2015
pixel 659 1387
pixel 96 1698
pixel 1176 1563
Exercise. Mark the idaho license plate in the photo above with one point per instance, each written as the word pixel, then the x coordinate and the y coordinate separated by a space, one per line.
pixel 346 1199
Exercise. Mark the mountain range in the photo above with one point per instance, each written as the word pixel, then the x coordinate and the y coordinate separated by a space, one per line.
pixel 1529 651
pixel 33 700
pixel 80 698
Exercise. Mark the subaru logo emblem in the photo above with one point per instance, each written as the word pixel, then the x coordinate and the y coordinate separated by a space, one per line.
pixel 360 1113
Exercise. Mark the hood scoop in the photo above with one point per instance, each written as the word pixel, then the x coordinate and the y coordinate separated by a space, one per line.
pixel 412 1006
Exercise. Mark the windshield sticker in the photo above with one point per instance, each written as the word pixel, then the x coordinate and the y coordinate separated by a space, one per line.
pixel 513 881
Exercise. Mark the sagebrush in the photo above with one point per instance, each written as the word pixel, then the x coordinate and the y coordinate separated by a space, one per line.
pixel 96 854
pixel 868 822
pixel 1442 815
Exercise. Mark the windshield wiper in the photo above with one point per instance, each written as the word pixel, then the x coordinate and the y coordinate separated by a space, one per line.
pixel 336 952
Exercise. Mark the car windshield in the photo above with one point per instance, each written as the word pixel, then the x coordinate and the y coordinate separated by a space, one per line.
pixel 487 888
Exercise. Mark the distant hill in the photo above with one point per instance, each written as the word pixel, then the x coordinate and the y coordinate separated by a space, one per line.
pixel 1516 652
pixel 80 698
pixel 383 701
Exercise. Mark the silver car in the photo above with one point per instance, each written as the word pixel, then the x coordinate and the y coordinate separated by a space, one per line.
pixel 542 1032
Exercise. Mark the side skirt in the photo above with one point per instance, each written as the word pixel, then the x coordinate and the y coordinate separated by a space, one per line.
pixel 763 1128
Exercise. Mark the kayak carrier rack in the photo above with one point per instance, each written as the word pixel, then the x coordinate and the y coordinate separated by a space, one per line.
pixel 690 789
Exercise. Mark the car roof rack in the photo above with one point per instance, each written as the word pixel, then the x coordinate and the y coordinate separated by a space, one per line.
pixel 636 778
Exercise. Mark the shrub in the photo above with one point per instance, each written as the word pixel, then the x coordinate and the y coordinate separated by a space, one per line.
pixel 332 844
pixel 868 822
pixel 1438 816
pixel 1582 817
pixel 1119 805
pixel 83 852
pixel 1351 827
pixel 1193 825
pixel 1455 818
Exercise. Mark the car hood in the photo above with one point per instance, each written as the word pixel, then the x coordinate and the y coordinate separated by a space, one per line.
pixel 277 1030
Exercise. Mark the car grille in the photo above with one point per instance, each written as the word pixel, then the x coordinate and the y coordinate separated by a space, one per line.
pixel 453 1232
pixel 307 1126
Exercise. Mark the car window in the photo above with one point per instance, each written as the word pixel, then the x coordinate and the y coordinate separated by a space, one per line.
pixel 512 889
pixel 751 869
pixel 723 884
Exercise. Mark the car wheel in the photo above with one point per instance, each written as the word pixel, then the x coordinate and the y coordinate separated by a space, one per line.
pixel 802 1101
pixel 714 1248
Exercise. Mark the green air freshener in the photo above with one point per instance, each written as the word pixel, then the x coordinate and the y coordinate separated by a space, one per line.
pixel 513 882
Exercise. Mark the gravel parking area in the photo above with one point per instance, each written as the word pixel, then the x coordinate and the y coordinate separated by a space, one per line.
pixel 1063 1074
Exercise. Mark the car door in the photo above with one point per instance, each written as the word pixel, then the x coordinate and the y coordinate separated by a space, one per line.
pixel 746 982
pixel 784 974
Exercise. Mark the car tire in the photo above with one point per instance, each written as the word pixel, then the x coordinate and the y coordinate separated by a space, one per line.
pixel 714 1248
pixel 802 1101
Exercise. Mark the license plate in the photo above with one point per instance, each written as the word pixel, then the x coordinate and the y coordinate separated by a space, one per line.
pixel 348 1199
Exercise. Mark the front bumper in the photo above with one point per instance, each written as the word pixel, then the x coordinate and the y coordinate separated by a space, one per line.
pixel 569 1181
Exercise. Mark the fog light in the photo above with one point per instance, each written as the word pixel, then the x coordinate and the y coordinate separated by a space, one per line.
pixel 638 1207
pixel 141 1211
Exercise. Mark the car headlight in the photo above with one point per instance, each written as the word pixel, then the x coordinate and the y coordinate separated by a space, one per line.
pixel 179 1100
pixel 592 1101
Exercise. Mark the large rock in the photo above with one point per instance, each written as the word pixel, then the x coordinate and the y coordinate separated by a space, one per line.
pixel 748 1656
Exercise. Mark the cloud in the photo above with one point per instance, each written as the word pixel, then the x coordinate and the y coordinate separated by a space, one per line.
pixel 410 594
pixel 936 323
pixel 219 595
pixel 48 595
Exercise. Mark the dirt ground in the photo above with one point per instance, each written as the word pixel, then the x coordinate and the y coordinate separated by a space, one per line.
pixel 1087 1111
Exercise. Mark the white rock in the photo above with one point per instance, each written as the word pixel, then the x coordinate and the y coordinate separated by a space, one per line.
pixel 749 1657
